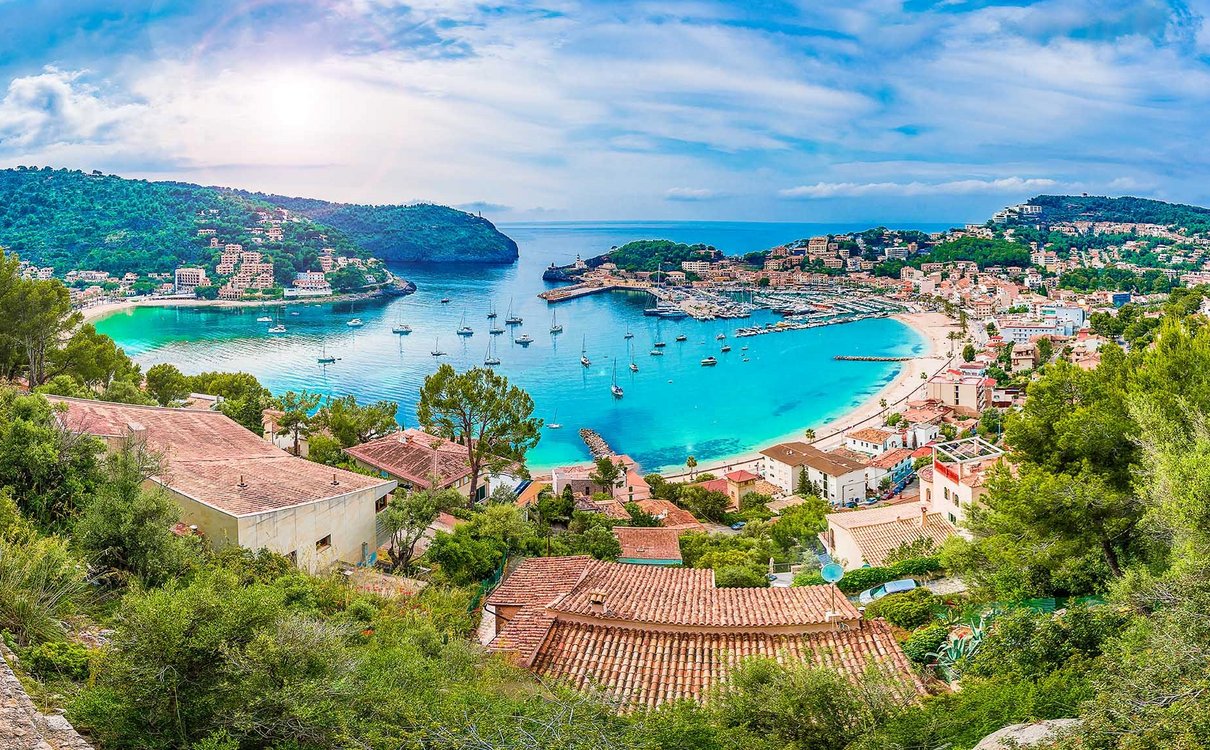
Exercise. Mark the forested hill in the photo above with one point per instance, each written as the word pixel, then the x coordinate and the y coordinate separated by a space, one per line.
pixel 1058 208
pixel 70 219
pixel 419 232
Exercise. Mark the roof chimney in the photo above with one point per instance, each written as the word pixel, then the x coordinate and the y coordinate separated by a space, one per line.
pixel 596 601
pixel 924 514
pixel 135 428
pixel 241 481
pixel 403 437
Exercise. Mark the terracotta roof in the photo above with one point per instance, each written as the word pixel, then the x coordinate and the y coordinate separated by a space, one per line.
pixel 891 458
pixel 645 668
pixel 648 543
pixel 410 454
pixel 212 459
pixel 871 435
pixel 742 475
pixel 848 454
pixel 791 454
pixel 669 513
pixel 714 485
pixel 878 531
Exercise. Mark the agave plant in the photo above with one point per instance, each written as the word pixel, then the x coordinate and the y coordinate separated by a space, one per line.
pixel 956 651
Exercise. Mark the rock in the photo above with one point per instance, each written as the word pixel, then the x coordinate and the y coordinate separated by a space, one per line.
pixel 1026 735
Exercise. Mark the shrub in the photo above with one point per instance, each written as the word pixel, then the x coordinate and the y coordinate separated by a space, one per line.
pixel 925 641
pixel 856 581
pixel 908 610
pixel 59 658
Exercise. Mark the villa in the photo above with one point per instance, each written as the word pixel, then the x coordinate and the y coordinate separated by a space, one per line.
pixel 837 478
pixel 417 459
pixel 958 476
pixel 235 488
pixel 642 636
pixel 857 538
pixel 653 545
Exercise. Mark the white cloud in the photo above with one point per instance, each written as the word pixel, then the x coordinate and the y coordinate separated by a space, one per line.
pixel 691 194
pixel 953 187
pixel 57 106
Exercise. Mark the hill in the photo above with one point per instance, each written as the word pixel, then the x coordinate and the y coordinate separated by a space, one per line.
pixel 422 232
pixel 1061 208
pixel 70 219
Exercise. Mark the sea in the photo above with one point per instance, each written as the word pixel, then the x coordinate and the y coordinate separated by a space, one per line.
pixel 672 407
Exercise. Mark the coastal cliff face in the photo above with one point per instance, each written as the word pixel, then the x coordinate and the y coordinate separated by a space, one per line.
pixel 419 233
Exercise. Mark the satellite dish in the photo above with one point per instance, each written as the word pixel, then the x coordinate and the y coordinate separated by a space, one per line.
pixel 832 572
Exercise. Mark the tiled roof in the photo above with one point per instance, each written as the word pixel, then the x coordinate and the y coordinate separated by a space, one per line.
pixel 645 668
pixel 742 475
pixel 878 531
pixel 538 580
pixel 669 513
pixel 891 458
pixel 648 543
pixel 791 454
pixel 414 455
pixel 210 458
pixel 871 435
pixel 714 485
pixel 801 454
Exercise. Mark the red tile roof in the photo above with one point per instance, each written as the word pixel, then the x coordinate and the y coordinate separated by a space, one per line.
pixel 648 543
pixel 646 635
pixel 742 475
pixel 714 485
pixel 415 456
pixel 212 459
pixel 669 513
pixel 891 458
pixel 871 435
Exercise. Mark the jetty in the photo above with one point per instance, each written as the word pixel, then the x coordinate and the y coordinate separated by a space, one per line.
pixel 596 444
pixel 855 358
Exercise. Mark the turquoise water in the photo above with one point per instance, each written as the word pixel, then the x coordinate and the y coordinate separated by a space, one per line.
pixel 673 407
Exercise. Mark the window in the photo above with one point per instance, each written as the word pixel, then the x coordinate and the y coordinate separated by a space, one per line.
pixel 293 557
pixel 381 503
pixel 324 543
pixel 953 518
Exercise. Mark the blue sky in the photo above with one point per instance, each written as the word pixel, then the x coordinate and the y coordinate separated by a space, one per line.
pixel 926 110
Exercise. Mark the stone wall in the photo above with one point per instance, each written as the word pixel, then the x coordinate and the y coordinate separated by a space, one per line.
pixel 22 727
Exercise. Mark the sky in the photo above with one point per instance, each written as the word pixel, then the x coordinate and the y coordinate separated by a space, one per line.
pixel 859 110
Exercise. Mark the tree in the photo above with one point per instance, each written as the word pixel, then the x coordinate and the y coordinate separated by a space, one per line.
pixel 802 487
pixel 605 473
pixel 968 353
pixel 809 434
pixel 352 423
pixel 295 413
pixel 125 392
pixel 1046 350
pixel 801 523
pixel 244 398
pixel 91 358
pixel 166 384
pixel 710 505
pixel 691 465
pixel 407 516
pixel 479 410
pixel 39 317
pixel 640 517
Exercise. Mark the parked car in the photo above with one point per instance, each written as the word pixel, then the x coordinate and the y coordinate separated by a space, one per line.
pixel 738 525
pixel 890 587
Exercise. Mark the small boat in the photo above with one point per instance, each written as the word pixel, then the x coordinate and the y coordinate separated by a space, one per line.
pixel 464 329
pixel 294 313
pixel 744 348
pixel 355 323
pixel 615 389
pixel 656 353
pixel 681 337
pixel 401 328
pixel 555 325
pixel 659 345
pixel 512 320
pixel 279 328
pixel 524 339
pixel 628 335
pixel 709 362
pixel 495 330
pixel 584 360
pixel 491 311
pixel 554 425
pixel 324 358
pixel 725 349
pixel 490 359
pixel 264 319
pixel 437 349
pixel 720 337
pixel 445 300
pixel 634 367
pixel 746 359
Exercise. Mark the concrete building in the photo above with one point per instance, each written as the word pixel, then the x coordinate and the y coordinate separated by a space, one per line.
pixel 967 395
pixel 185 280
pixel 873 441
pixel 835 477
pixel 957 478
pixel 236 488
pixel 856 538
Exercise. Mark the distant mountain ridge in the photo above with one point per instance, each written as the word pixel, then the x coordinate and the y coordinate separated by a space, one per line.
pixel 71 219
pixel 1061 208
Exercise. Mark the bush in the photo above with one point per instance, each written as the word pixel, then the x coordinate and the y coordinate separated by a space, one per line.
pixel 908 610
pixel 856 581
pixel 59 659
pixel 925 641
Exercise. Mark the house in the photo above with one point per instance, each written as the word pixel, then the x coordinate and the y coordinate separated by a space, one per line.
pixel 735 485
pixel 642 636
pixel 417 459
pixel 629 487
pixel 857 538
pixel 649 545
pixel 894 464
pixel 873 441
pixel 670 515
pixel 967 395
pixel 238 489
pixel 837 478
pixel 959 476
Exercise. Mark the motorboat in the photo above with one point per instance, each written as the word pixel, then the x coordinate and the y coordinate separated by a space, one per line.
pixel 355 323
pixel 264 319
pixel 445 300
pixel 725 348
pixel 401 328
pixel 709 362
pixel 279 328
pixel 681 337
pixel 524 339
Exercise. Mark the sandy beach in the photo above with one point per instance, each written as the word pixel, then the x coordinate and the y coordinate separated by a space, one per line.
pixel 933 326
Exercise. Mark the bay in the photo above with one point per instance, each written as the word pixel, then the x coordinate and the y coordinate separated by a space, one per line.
pixel 672 407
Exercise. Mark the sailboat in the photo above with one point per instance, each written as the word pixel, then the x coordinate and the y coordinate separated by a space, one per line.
pixel 490 359
pixel 681 337
pixel 491 311
pixel 512 320
pixel 324 358
pixel 584 360
pixel 553 424
pixel 628 335
pixel 464 329
pixel 634 367
pixel 401 328
pixel 615 389
pixel 437 349
pixel 555 325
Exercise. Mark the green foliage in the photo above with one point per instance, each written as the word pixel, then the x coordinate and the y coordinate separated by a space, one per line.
pixel 166 384
pixel 407 516
pixel 1027 644
pixel 124 392
pixel 63 659
pixel 295 415
pixel 923 642
pixel 650 255
pixel 1117 279
pixel 799 524
pixel 908 610
pixel 710 505
pixel 856 581
pixel 640 517
pixel 737 561
pixel 244 398
pixel 41 581
pixel 351 423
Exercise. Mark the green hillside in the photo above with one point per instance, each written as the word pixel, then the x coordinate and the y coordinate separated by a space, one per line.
pixel 1059 208
pixel 423 232
pixel 71 219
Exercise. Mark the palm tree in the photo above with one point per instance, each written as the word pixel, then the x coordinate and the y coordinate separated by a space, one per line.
pixel 691 464
pixel 809 434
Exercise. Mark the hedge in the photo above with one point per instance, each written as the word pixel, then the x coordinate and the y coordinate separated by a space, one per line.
pixel 856 581
pixel 908 610
pixel 925 641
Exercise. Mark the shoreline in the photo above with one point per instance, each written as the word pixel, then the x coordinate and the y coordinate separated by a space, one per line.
pixel 933 327
pixel 94 313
